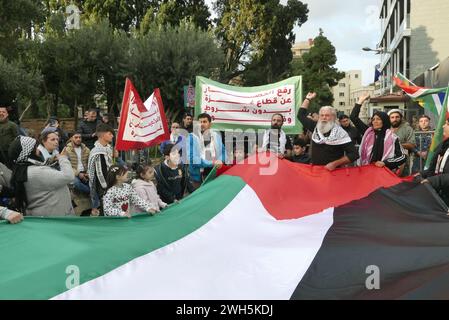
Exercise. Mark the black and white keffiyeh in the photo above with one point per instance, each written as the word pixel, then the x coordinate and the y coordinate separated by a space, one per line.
pixel 21 149
pixel 94 166
pixel 22 154
pixel 442 160
pixel 277 145
pixel 338 136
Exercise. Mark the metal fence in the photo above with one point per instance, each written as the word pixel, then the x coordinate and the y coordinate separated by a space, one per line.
pixel 423 142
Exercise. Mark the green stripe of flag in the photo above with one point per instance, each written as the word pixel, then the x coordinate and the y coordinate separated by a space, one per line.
pixel 36 253
pixel 438 137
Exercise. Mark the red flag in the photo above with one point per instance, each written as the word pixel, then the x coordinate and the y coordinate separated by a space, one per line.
pixel 141 125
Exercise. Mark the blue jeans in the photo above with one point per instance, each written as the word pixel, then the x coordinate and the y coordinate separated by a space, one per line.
pixel 80 186
pixel 95 201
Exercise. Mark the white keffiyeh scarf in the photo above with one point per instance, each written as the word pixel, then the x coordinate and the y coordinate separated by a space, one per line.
pixel 211 147
pixel 94 165
pixel 338 136
pixel 442 162
pixel 274 145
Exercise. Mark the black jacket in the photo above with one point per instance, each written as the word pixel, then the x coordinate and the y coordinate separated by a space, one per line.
pixel 304 159
pixel 172 184
pixel 440 182
pixel 399 157
pixel 354 134
pixel 87 129
pixel 323 154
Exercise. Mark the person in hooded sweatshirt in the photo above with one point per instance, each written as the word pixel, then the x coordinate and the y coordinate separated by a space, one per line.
pixel 145 187
pixel 379 146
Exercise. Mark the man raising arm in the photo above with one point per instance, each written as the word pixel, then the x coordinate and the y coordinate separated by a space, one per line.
pixel 331 145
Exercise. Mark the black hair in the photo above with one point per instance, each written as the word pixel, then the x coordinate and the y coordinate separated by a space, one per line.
pixel 168 148
pixel 52 121
pixel 113 173
pixel 205 116
pixel 103 128
pixel 342 116
pixel 278 114
pixel 92 110
pixel 300 142
pixel 142 169
pixel 186 115
pixel 71 134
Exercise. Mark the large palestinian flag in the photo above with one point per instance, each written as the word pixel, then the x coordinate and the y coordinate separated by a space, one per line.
pixel 301 233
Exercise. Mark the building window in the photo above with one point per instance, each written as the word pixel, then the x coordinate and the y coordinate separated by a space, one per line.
pixel 342 94
pixel 342 85
pixel 356 76
pixel 342 104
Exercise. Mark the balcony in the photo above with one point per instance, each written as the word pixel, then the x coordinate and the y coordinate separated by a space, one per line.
pixel 404 31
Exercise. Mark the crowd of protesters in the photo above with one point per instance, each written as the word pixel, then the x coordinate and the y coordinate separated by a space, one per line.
pixel 49 175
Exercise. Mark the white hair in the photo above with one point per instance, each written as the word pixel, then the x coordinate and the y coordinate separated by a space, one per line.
pixel 331 109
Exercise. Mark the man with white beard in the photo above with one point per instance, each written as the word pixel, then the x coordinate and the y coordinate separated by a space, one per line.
pixel 331 145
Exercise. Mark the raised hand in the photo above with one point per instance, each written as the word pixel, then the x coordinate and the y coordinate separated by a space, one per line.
pixel 311 95
pixel 365 97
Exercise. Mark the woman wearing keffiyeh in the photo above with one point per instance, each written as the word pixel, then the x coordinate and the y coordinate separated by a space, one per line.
pixel 380 146
pixel 41 189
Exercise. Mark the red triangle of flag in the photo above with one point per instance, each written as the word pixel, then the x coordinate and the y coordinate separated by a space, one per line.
pixel 141 125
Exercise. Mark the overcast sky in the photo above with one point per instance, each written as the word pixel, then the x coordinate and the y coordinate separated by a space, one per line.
pixel 350 25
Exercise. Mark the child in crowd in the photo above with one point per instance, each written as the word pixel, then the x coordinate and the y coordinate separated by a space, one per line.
pixel 121 196
pixel 145 187
pixel 299 152
pixel 239 156
pixel 172 176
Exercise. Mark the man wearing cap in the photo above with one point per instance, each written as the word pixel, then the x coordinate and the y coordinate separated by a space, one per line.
pixel 404 131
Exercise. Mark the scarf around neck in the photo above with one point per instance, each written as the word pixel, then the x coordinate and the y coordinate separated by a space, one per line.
pixel 280 144
pixel 378 147
pixel 338 136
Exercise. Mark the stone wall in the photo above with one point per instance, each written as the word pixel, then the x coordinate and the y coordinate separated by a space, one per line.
pixel 35 126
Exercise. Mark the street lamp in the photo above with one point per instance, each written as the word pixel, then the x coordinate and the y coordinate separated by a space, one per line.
pixel 377 51
pixel 381 50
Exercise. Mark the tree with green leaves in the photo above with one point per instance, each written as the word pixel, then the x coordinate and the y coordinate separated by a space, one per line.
pixel 271 62
pixel 242 27
pixel 17 83
pixel 123 15
pixel 16 21
pixel 319 72
pixel 256 37
pixel 169 58
pixel 172 12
